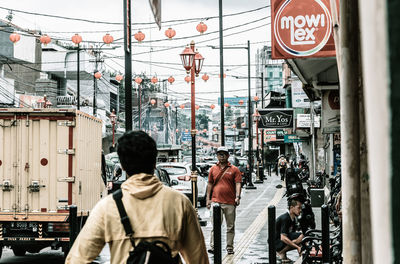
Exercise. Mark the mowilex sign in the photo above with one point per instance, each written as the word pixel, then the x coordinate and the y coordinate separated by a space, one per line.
pixel 276 118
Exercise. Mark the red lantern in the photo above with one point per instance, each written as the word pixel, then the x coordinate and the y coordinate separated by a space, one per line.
pixel 139 36
pixel 108 39
pixel 219 75
pixel 243 124
pixel 15 37
pixel 97 75
pixel 171 79
pixel 182 106
pixel 154 80
pixel 212 106
pixel 153 101
pixel 119 77
pixel 138 80
pixel 188 79
pixel 256 98
pixel 76 39
pixel 197 107
pixel 201 27
pixel 45 39
pixel 170 33
pixel 205 77
pixel 226 105
pixel 241 102
pixel 166 104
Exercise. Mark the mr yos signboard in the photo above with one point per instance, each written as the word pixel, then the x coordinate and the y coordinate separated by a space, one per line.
pixel 301 28
pixel 276 118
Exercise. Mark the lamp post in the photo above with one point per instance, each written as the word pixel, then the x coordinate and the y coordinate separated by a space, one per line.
pixel 257 117
pixel 113 118
pixel 193 62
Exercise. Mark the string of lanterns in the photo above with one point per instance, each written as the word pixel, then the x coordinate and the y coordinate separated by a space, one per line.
pixel 107 38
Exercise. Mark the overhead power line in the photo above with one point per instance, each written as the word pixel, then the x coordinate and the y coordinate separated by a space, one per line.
pixel 119 23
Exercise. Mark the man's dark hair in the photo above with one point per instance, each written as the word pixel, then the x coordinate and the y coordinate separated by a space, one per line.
pixel 137 152
pixel 293 203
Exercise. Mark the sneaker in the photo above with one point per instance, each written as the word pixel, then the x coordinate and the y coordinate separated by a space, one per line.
pixel 230 251
pixel 211 251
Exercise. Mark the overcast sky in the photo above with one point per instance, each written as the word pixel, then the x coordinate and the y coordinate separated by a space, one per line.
pixel 167 61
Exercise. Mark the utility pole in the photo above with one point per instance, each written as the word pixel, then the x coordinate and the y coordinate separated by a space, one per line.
pixel 78 87
pixel 221 74
pixel 96 53
pixel 250 185
pixel 262 107
pixel 128 65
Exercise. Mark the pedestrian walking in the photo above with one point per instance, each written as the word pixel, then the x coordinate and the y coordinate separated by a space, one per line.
pixel 224 188
pixel 155 212
pixel 282 164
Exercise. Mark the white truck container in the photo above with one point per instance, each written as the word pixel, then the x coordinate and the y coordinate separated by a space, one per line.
pixel 50 162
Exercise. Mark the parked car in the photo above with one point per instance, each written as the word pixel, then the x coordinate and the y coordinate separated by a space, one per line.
pixel 119 177
pixel 181 172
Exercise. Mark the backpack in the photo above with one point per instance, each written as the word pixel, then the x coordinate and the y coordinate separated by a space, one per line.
pixel 144 252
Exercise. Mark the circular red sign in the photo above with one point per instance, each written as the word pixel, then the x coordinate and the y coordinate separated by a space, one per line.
pixel 302 27
pixel 44 162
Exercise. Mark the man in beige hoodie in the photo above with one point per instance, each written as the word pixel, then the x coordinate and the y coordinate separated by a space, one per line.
pixel 156 212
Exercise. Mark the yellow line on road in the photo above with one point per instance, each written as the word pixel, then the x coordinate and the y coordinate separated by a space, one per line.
pixel 252 231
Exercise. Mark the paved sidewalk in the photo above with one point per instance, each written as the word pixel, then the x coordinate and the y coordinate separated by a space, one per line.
pixel 251 239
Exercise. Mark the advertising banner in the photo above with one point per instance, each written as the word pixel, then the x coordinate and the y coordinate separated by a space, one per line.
pixel 302 28
pixel 304 121
pixel 292 138
pixel 269 135
pixel 186 136
pixel 276 118
pixel 299 97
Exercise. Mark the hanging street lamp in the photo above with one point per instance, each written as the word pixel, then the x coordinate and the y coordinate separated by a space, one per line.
pixel 15 37
pixel 170 33
pixel 139 36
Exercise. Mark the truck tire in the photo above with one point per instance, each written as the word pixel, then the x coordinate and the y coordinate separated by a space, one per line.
pixel 19 251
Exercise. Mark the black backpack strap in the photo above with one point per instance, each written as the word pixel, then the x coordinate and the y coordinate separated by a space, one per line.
pixel 117 196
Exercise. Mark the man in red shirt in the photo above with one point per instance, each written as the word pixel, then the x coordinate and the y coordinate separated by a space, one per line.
pixel 225 182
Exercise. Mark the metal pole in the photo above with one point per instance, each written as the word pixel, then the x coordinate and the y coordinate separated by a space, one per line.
pixel 73 219
pixel 221 74
pixel 271 235
pixel 313 162
pixel 95 86
pixel 326 256
pixel 262 130
pixel 217 233
pixel 128 65
pixel 176 124
pixel 250 185
pixel 140 105
pixel 78 87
